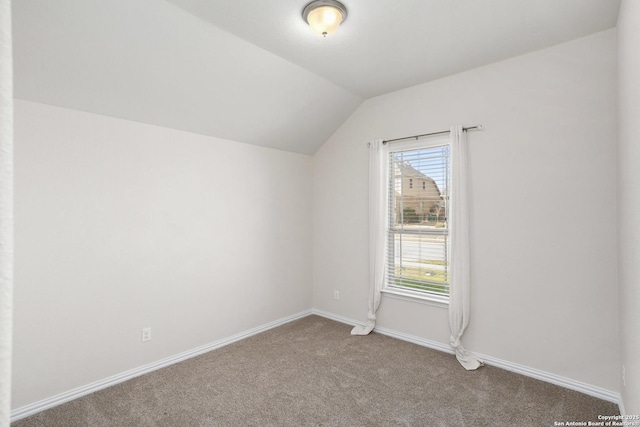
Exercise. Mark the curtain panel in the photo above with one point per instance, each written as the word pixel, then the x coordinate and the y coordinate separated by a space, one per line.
pixel 378 188
pixel 460 291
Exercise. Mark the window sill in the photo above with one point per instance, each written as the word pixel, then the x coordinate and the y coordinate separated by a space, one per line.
pixel 419 297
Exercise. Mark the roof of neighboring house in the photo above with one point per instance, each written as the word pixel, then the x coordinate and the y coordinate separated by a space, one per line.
pixel 405 169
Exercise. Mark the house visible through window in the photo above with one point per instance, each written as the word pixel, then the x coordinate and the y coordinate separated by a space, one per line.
pixel 418 233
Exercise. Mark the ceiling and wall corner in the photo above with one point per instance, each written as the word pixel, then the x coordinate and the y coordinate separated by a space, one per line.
pixel 389 45
pixel 253 71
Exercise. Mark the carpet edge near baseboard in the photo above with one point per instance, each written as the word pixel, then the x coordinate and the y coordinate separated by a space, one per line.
pixel 59 399
pixel 591 390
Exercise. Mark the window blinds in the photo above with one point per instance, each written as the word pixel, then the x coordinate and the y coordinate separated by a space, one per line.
pixel 418 234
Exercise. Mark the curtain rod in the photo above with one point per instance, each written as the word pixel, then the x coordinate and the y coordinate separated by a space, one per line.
pixel 477 127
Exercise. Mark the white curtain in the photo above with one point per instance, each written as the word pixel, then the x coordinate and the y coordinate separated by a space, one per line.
pixel 6 210
pixel 378 175
pixel 459 296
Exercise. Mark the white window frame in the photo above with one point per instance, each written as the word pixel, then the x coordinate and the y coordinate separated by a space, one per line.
pixel 393 290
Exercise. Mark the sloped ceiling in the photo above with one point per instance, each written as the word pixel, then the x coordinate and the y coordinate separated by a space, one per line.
pixel 386 45
pixel 151 62
pixel 252 71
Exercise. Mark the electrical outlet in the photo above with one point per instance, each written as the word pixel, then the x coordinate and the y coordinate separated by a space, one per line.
pixel 336 294
pixel 624 377
pixel 146 334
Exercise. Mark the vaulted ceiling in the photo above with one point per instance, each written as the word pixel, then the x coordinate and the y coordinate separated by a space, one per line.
pixel 252 70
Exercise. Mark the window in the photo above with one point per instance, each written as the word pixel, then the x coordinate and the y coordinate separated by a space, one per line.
pixel 417 231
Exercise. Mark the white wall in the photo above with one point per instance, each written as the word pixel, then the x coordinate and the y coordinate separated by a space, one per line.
pixel 544 208
pixel 629 198
pixel 121 225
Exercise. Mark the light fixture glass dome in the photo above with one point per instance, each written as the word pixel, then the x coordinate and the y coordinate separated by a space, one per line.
pixel 324 16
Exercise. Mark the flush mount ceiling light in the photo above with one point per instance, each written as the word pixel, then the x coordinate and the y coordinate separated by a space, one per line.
pixel 324 16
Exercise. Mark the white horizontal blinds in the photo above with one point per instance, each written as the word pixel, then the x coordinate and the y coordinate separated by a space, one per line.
pixel 418 240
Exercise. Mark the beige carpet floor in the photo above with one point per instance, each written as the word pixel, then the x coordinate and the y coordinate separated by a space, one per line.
pixel 311 372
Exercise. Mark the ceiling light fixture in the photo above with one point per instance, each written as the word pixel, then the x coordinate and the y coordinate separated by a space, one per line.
pixel 324 16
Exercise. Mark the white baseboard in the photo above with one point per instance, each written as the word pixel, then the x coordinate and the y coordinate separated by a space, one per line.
pixel 621 406
pixel 61 398
pixel 436 345
pixel 336 317
pixel 599 392
pixel 591 390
